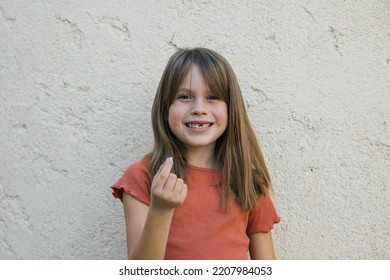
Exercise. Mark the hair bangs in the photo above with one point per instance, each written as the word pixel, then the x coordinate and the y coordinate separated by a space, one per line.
pixel 214 73
pixel 180 66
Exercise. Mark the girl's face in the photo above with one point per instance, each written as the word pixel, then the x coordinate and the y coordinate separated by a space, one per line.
pixel 197 117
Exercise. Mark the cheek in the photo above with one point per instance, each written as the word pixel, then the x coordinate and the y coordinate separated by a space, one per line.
pixel 174 116
pixel 222 114
pixel 170 118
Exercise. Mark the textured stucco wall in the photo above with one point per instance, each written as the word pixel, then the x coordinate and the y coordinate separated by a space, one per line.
pixel 77 79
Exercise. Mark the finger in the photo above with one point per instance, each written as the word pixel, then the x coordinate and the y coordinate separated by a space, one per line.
pixel 170 182
pixel 166 166
pixel 163 173
pixel 178 185
pixel 180 190
pixel 183 193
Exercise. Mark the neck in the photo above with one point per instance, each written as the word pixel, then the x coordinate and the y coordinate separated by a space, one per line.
pixel 201 157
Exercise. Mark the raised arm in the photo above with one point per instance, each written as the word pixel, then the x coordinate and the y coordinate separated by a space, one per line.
pixel 147 228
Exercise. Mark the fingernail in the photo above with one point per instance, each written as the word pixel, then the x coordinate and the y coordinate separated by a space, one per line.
pixel 170 159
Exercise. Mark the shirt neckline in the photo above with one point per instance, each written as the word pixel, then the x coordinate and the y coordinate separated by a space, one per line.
pixel 204 169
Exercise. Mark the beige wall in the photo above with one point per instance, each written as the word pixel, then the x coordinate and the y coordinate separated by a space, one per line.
pixel 77 79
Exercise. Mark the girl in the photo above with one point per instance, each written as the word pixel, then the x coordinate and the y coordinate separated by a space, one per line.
pixel 203 191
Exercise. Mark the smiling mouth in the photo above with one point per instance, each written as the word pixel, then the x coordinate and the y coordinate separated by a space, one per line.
pixel 198 125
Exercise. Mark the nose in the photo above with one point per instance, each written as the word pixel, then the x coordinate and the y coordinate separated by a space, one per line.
pixel 199 106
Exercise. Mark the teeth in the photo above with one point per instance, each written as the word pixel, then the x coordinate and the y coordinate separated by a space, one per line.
pixel 193 125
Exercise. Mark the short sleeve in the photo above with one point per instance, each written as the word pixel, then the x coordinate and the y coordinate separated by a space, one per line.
pixel 134 181
pixel 263 218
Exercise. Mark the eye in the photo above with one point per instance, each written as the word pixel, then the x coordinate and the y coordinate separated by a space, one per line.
pixel 213 97
pixel 184 96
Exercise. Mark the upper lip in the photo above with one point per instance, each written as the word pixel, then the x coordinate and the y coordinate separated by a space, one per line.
pixel 199 122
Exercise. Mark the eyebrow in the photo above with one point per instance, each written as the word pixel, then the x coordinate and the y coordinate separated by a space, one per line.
pixel 184 88
pixel 190 90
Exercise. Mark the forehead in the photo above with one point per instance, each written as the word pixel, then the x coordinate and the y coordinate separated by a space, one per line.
pixel 193 78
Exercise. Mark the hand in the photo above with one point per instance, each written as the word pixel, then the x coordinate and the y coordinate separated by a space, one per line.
pixel 167 190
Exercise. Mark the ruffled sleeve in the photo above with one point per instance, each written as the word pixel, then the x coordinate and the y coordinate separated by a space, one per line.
pixel 134 181
pixel 263 218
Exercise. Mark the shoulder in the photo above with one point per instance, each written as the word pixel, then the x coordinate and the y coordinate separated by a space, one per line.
pixel 137 172
pixel 264 216
pixel 135 180
pixel 140 166
pixel 265 201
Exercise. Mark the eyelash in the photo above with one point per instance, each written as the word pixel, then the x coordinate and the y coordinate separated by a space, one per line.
pixel 213 97
pixel 186 96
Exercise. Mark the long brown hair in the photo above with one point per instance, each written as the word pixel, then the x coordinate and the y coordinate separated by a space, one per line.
pixel 237 152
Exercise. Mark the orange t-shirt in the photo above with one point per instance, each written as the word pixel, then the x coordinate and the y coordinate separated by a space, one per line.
pixel 199 230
